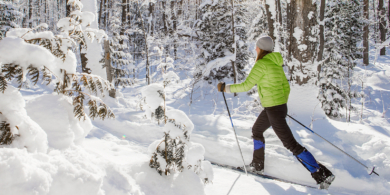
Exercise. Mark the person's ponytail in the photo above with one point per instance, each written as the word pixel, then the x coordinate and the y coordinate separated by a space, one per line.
pixel 262 53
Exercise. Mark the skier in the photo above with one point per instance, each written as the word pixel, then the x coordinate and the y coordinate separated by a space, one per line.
pixel 274 89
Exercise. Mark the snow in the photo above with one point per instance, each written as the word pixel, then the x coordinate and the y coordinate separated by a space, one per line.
pixel 298 34
pixel 58 154
pixel 114 158
pixel 66 24
pixel 94 50
pixel 62 129
pixel 27 33
pixel 152 95
pixel 30 134
pixel 310 15
pixel 302 47
pixel 15 50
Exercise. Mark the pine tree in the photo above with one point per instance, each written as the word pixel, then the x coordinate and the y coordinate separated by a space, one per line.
pixel 80 86
pixel 121 60
pixel 215 34
pixel 259 25
pixel 9 16
pixel 344 29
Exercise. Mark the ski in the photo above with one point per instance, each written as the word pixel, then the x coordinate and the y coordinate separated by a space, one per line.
pixel 238 169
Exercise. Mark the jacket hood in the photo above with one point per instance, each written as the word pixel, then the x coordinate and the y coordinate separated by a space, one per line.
pixel 275 57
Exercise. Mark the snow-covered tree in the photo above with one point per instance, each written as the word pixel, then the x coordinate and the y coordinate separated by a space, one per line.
pixel 29 55
pixel 259 25
pixel 220 49
pixel 175 153
pixel 344 29
pixel 9 16
pixel 121 60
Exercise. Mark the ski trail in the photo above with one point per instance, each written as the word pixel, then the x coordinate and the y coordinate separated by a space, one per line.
pixel 230 182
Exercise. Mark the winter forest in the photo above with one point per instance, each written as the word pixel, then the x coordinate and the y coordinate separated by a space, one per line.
pixel 119 97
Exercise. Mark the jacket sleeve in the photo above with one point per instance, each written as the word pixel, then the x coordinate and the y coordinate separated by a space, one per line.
pixel 254 76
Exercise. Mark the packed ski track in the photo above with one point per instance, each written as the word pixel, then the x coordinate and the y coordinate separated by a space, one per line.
pixel 119 147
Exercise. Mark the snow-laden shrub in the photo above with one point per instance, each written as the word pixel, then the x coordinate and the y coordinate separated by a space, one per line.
pixel 19 130
pixel 32 55
pixel 153 96
pixel 175 152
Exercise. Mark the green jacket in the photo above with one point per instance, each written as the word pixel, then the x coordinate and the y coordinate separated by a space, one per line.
pixel 272 84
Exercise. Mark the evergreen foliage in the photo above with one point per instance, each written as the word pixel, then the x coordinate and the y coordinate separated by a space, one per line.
pixel 172 149
pixel 259 25
pixel 121 60
pixel 9 14
pixel 215 34
pixel 344 27
pixel 6 136
pixel 81 87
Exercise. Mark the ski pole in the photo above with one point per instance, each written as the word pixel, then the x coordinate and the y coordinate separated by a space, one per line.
pixel 373 169
pixel 238 144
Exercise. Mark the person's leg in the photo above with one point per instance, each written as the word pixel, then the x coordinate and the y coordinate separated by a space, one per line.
pixel 258 129
pixel 277 117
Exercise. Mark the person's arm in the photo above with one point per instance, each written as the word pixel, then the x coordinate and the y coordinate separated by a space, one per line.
pixel 286 88
pixel 254 76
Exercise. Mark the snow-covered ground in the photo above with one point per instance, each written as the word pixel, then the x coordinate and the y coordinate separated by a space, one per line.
pixel 113 157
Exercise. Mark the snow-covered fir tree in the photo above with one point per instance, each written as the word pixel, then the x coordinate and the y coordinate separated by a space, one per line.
pixel 121 60
pixel 216 36
pixel 175 153
pixel 9 16
pixel 344 29
pixel 55 60
pixel 259 25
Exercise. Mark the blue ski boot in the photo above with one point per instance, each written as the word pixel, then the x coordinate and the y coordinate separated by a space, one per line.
pixel 319 172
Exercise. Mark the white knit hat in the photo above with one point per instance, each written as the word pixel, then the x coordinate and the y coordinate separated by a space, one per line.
pixel 265 42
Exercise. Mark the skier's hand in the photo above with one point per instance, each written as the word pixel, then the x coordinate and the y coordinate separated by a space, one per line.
pixel 221 87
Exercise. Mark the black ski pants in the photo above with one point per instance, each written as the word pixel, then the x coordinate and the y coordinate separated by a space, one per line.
pixel 276 117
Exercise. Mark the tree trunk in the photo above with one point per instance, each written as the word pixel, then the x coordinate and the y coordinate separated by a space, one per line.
pixel 151 15
pixel 164 16
pixel 382 25
pixel 322 35
pixel 270 21
pixel 279 7
pixel 235 46
pixel 30 12
pixel 67 9
pixel 174 28
pixel 100 14
pixel 107 63
pixel 123 21
pixel 302 50
pixel 366 31
pixel 180 9
pixel 146 45
pixel 84 60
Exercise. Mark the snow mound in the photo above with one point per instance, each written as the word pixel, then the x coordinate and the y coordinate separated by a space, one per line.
pixel 28 134
pixel 72 171
pixel 150 182
pixel 54 113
